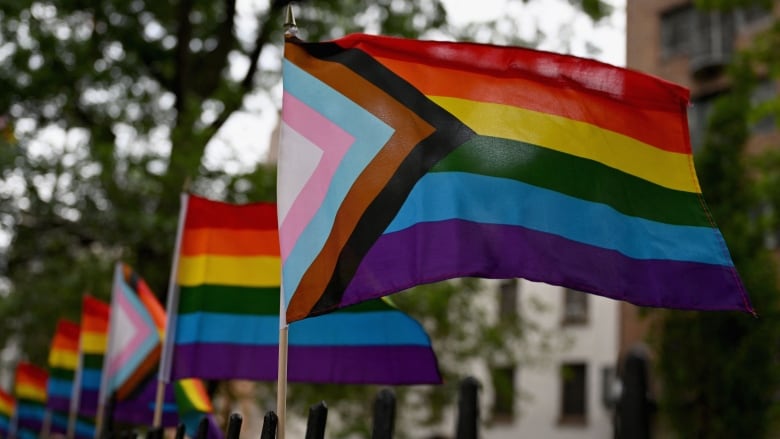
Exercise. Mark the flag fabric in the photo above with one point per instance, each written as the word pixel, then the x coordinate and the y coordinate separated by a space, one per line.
pixel 95 315
pixel 405 162
pixel 133 347
pixel 193 403
pixel 63 361
pixel 7 406
pixel 227 312
pixel 30 394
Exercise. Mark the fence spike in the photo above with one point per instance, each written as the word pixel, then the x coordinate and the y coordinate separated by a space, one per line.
pixel 468 409
pixel 384 415
pixel 234 426
pixel 315 426
pixel 269 425
pixel 181 431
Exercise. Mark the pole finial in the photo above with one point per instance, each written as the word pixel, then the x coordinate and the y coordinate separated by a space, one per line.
pixel 290 28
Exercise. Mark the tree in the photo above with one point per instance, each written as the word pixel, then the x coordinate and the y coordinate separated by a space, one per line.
pixel 719 371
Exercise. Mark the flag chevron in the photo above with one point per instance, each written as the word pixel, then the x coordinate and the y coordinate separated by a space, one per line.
pixel 554 168
pixel 417 143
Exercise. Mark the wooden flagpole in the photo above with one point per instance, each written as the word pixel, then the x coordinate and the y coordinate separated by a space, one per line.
pixel 104 391
pixel 171 307
pixel 75 392
pixel 290 30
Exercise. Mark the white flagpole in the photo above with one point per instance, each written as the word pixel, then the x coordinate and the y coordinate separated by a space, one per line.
pixel 171 307
pixel 290 30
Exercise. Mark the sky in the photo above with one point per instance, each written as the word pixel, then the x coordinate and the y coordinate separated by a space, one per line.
pixel 243 141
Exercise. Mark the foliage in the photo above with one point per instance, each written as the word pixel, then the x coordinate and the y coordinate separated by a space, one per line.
pixel 720 370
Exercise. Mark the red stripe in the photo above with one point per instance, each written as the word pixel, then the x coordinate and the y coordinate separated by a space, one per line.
pixel 202 212
pixel 66 338
pixel 621 100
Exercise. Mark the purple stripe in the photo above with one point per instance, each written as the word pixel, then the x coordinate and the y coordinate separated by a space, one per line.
pixel 140 409
pixel 58 403
pixel 391 365
pixel 434 251
pixel 88 402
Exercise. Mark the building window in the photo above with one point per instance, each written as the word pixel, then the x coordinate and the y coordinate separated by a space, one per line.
pixel 676 31
pixel 507 300
pixel 713 42
pixel 503 379
pixel 575 307
pixel 574 394
pixel 698 116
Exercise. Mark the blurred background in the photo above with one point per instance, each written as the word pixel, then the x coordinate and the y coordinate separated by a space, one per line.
pixel 107 109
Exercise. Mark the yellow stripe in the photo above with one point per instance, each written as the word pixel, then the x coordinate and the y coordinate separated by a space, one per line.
pixel 34 393
pixel 196 394
pixel 665 168
pixel 258 271
pixel 92 343
pixel 6 408
pixel 63 359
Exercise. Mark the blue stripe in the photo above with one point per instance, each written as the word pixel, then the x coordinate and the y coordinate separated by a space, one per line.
pixel 30 411
pixel 370 135
pixel 379 328
pixel 90 379
pixel 492 200
pixel 59 387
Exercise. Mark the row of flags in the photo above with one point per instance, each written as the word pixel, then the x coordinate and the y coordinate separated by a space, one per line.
pixel 224 325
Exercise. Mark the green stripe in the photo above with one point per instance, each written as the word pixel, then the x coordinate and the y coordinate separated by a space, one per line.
pixel 92 361
pixel 229 300
pixel 576 177
pixel 244 300
pixel 63 374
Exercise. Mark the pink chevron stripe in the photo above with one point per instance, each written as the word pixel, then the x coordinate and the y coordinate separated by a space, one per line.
pixel 140 333
pixel 334 142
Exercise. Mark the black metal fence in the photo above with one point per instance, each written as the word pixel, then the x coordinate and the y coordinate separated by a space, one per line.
pixel 467 425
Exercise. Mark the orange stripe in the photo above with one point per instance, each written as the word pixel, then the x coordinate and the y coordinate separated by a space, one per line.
pixel 639 123
pixel 230 242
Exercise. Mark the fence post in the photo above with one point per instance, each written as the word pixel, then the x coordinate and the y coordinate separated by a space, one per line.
pixel 315 426
pixel 154 433
pixel 203 429
pixel 269 426
pixel 384 415
pixel 468 409
pixel 234 426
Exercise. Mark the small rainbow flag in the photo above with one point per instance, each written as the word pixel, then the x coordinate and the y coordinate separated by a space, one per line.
pixel 30 393
pixel 92 348
pixel 227 313
pixel 404 162
pixel 7 407
pixel 63 362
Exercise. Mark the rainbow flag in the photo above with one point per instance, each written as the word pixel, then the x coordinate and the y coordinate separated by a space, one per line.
pixel 63 362
pixel 405 162
pixel 227 312
pixel 95 315
pixel 30 393
pixel 133 349
pixel 7 407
